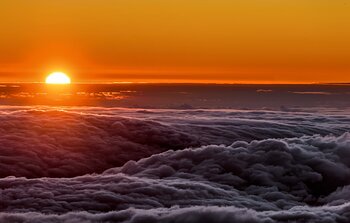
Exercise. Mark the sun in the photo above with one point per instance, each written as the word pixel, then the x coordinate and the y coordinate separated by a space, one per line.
pixel 57 78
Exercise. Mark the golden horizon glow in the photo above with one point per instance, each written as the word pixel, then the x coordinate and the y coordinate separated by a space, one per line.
pixel 57 78
pixel 187 40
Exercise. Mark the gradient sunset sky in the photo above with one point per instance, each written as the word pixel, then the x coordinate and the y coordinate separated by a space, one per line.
pixel 260 41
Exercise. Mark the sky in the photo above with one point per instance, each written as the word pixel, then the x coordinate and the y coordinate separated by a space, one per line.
pixel 216 41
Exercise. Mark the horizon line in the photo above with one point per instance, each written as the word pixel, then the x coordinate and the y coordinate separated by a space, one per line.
pixel 189 82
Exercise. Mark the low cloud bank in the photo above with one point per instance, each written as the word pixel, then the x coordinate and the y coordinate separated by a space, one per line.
pixel 275 180
pixel 62 144
pixel 52 143
pixel 132 166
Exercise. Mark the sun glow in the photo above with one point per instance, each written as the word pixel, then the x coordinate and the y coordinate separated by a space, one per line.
pixel 58 78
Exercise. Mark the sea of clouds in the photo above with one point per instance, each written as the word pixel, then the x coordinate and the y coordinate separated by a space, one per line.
pixel 133 165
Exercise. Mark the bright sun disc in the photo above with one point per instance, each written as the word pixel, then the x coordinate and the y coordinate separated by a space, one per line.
pixel 57 78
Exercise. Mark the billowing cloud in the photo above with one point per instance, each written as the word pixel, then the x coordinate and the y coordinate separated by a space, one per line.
pixel 52 143
pixel 167 166
pixel 61 144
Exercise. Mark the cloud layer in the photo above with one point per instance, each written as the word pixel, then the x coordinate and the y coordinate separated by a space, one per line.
pixel 135 166
pixel 291 179
pixel 53 143
pixel 62 144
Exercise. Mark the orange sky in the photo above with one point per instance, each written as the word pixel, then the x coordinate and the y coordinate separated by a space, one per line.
pixel 176 40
